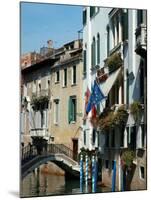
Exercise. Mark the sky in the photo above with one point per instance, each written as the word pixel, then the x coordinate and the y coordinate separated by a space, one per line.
pixel 41 22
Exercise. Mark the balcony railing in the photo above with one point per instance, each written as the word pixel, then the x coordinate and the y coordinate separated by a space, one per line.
pixel 39 132
pixel 141 39
pixel 41 93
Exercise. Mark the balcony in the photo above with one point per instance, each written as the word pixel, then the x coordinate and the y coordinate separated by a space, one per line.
pixel 141 40
pixel 41 93
pixel 39 132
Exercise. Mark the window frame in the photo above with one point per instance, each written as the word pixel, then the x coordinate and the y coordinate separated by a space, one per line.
pixel 56 111
pixel 140 172
pixel 74 75
pixel 57 76
pixel 65 77
pixel 72 111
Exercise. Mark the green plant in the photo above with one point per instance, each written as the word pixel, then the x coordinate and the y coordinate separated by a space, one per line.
pixel 114 62
pixel 39 102
pixel 121 115
pixel 127 158
pixel 106 120
pixel 85 152
pixel 110 119
pixel 136 110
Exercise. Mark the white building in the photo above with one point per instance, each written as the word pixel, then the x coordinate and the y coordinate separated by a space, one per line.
pixel 114 40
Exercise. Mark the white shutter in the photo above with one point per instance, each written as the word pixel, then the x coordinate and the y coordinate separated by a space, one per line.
pixel 139 138
pixel 31 119
pixel 22 122
pixel 38 120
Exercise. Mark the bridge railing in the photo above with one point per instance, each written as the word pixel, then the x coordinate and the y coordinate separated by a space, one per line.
pixel 60 148
pixel 30 151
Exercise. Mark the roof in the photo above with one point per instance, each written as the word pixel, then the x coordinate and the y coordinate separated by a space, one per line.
pixel 38 65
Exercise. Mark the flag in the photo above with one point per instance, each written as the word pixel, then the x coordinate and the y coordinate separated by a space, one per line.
pixel 96 97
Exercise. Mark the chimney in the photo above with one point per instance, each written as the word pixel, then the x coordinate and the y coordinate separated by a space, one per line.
pixel 50 44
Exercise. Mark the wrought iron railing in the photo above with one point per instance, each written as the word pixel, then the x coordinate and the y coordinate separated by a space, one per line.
pixel 30 151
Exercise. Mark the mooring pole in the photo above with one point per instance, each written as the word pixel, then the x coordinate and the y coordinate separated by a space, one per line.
pixel 86 173
pixel 93 173
pixel 96 172
pixel 114 177
pixel 81 173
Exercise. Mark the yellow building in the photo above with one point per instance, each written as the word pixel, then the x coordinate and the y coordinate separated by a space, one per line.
pixel 52 97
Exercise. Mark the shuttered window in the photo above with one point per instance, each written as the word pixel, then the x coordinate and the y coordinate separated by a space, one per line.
pixel 84 17
pixel 125 25
pixel 74 75
pixel 93 53
pixel 56 109
pixel 85 61
pixel 92 11
pixel 72 104
pixel 65 78
pixel 98 48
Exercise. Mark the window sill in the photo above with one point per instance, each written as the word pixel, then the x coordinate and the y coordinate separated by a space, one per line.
pixel 56 82
pixel 74 84
pixel 73 122
pixel 56 124
pixel 64 86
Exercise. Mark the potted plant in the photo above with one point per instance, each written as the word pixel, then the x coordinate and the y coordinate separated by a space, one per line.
pixel 114 62
pixel 127 159
pixel 136 110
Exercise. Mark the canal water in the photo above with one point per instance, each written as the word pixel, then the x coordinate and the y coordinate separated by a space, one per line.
pixel 46 184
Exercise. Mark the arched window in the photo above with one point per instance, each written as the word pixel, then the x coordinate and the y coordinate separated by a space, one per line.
pixel 98 48
pixel 93 52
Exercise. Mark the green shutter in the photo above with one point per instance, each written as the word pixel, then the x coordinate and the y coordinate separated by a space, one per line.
pixel 69 110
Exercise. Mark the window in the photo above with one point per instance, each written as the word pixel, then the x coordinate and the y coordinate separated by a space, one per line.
pixel 107 140
pixel 106 164
pixel 34 86
pixel 142 82
pixel 92 11
pixel 65 78
pixel 142 172
pixel 143 135
pixel 57 77
pixel 113 139
pixel 108 40
pixel 56 111
pixel 112 164
pixel 132 142
pixel 122 136
pixel 93 53
pixel 85 61
pixel 84 17
pixel 98 48
pixel 74 75
pixel 139 17
pixel 72 106
pixel 84 136
pixel 39 88
pixel 93 136
pixel 125 25
pixel 42 119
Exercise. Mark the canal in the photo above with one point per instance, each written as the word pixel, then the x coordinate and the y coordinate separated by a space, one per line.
pixel 43 184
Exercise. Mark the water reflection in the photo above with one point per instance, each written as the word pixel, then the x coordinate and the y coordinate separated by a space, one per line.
pixel 40 184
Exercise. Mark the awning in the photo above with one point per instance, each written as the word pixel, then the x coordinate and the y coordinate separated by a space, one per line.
pixel 107 85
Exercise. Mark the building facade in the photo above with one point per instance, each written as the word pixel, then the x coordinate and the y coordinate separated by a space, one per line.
pixel 51 98
pixel 114 46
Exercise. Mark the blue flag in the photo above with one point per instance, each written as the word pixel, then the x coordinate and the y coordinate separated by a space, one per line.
pixel 96 97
